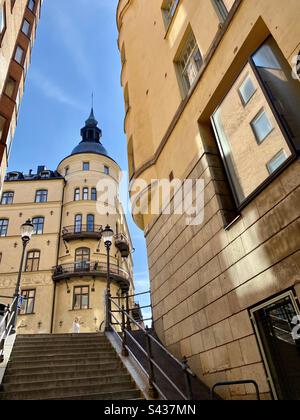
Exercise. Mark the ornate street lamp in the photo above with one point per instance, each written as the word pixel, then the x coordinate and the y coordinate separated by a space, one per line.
pixel 107 235
pixel 26 232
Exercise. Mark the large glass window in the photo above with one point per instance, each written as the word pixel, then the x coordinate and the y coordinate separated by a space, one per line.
pixel 283 90
pixel 81 298
pixel 38 225
pixel 7 198
pixel 3 227
pixel 28 301
pixel 41 196
pixel 33 261
pixel 254 140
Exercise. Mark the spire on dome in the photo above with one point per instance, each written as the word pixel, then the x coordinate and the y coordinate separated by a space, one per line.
pixel 91 121
pixel 91 135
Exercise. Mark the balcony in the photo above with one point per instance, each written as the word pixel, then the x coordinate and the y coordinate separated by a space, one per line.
pixel 92 269
pixel 122 243
pixel 72 233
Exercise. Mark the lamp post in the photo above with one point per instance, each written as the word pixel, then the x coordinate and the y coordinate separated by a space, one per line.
pixel 107 235
pixel 26 232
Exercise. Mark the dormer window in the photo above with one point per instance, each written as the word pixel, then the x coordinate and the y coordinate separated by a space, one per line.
pixel 45 174
pixel 13 176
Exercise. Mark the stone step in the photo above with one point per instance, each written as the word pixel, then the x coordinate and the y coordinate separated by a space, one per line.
pixel 62 356
pixel 69 382
pixel 73 367
pixel 51 361
pixel 59 374
pixel 41 347
pixel 133 394
pixel 53 336
pixel 71 391
pixel 63 341
pixel 48 351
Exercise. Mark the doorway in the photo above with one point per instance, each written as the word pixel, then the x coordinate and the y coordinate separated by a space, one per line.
pixel 277 327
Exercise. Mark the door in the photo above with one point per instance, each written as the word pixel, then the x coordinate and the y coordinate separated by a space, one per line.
pixel 277 326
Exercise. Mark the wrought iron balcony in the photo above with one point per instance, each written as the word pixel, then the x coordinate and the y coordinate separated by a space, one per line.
pixel 122 243
pixel 71 233
pixel 92 269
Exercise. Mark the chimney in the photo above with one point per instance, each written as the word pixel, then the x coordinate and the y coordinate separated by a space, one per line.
pixel 40 169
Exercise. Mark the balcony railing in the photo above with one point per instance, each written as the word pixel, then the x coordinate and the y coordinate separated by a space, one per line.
pixel 122 243
pixel 91 231
pixel 93 269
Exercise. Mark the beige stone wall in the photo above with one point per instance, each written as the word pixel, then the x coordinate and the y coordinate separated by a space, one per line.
pixel 204 279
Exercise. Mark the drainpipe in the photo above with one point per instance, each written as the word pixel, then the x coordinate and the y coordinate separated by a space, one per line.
pixel 57 256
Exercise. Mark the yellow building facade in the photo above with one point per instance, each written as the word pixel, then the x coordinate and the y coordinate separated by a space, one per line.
pixel 65 270
pixel 18 26
pixel 212 93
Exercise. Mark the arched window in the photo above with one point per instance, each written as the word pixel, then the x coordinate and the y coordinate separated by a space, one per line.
pixel 90 222
pixel 41 196
pixel 77 194
pixel 38 225
pixel 33 261
pixel 7 197
pixel 3 227
pixel 82 259
pixel 85 194
pixel 94 194
pixel 78 223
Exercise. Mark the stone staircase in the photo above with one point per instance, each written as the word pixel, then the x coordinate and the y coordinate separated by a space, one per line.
pixel 66 367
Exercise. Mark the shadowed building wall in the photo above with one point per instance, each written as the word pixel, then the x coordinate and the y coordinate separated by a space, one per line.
pixel 210 94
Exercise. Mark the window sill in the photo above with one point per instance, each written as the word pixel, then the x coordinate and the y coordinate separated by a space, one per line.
pixel 80 310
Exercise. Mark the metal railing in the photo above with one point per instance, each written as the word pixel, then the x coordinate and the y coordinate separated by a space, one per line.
pixel 232 383
pixel 153 368
pixel 7 324
pixel 121 237
pixel 89 229
pixel 89 267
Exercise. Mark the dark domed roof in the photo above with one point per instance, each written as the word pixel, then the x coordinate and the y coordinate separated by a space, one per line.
pixel 91 135
pixel 85 147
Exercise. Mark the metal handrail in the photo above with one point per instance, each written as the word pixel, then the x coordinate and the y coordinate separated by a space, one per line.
pixel 90 267
pixel 121 237
pixel 152 363
pixel 231 383
pixel 83 228
pixel 7 324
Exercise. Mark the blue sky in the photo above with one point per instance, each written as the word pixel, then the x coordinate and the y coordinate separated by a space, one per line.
pixel 75 54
